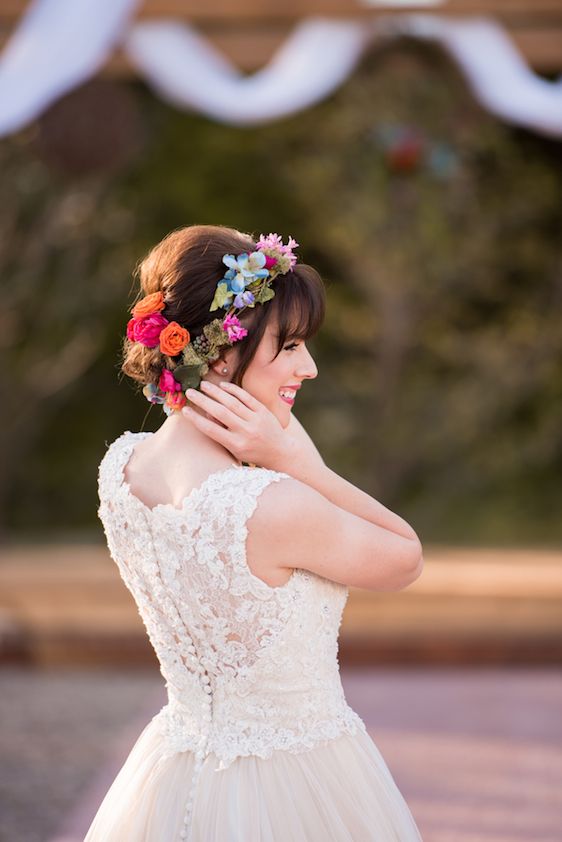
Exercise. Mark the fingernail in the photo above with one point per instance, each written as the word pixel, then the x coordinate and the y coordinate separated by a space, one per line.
pixel 190 392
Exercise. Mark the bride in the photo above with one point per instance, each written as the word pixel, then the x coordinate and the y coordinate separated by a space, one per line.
pixel 238 544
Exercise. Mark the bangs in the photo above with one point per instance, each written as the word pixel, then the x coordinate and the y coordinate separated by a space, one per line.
pixel 299 304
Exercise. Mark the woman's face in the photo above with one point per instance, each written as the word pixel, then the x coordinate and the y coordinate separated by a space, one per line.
pixel 267 378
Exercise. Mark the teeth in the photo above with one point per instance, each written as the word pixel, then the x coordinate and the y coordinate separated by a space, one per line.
pixel 287 393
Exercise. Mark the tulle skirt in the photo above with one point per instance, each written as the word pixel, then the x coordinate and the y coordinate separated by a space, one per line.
pixel 339 791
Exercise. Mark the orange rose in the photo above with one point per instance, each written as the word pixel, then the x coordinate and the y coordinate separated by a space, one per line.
pixel 175 400
pixel 149 304
pixel 173 339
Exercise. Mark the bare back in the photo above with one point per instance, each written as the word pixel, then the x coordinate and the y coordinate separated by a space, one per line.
pixel 157 473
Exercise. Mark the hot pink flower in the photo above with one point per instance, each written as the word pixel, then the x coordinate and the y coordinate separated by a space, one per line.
pixel 275 243
pixel 234 329
pixel 147 329
pixel 167 382
pixel 130 334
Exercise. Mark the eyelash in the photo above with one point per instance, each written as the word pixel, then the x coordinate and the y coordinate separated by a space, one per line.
pixel 291 346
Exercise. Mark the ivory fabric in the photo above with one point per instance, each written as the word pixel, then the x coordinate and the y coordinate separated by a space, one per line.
pixel 188 71
pixel 58 44
pixel 321 54
pixel 256 742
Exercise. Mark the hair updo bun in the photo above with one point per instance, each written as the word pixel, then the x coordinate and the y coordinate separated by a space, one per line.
pixel 186 267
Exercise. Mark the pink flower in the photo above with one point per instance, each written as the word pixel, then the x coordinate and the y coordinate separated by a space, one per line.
pixel 233 328
pixel 275 243
pixel 130 334
pixel 167 382
pixel 269 262
pixel 147 329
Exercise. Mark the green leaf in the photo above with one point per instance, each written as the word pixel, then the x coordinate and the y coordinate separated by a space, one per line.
pixel 190 356
pixel 222 297
pixel 215 332
pixel 188 375
pixel 264 295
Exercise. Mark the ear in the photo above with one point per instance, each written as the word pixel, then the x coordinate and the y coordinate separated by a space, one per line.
pixel 226 360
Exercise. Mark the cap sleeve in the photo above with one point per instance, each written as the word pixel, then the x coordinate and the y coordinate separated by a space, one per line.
pixel 232 506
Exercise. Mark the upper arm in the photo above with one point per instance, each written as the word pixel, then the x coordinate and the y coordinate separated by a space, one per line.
pixel 296 526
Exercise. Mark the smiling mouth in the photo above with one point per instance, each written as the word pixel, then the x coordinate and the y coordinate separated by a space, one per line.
pixel 287 395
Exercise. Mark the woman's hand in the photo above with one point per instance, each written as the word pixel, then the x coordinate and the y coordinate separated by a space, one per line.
pixel 242 424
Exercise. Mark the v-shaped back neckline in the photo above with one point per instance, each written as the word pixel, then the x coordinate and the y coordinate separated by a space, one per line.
pixel 194 494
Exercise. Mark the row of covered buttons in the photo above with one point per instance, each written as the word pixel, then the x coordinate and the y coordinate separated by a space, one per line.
pixel 201 752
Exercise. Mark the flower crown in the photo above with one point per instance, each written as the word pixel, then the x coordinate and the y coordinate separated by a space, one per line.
pixel 247 282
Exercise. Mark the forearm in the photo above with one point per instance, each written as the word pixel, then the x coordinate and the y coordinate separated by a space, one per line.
pixel 303 462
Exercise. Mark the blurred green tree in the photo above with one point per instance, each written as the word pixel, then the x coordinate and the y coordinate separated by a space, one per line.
pixel 437 231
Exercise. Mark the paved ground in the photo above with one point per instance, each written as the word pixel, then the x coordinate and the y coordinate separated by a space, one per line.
pixel 476 753
pixel 57 729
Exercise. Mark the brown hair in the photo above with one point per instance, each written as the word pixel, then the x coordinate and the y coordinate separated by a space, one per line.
pixel 187 265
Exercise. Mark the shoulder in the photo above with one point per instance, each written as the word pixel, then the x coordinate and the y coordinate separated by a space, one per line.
pixel 116 453
pixel 251 480
pixel 124 441
pixel 283 499
pixel 125 437
pixel 275 491
pixel 291 523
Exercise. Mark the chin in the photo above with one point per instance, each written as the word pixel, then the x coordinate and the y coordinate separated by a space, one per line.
pixel 286 419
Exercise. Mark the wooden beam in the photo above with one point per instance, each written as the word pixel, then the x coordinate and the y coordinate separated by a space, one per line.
pixel 541 48
pixel 249 32
pixel 298 9
pixel 268 9
pixel 252 48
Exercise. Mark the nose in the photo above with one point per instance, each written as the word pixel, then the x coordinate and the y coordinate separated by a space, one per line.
pixel 307 367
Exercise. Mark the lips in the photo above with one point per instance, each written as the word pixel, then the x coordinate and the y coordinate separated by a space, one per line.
pixel 288 400
pixel 287 393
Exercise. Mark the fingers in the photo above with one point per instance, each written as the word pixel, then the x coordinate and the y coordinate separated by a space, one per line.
pixel 211 406
pixel 210 428
pixel 229 400
pixel 245 397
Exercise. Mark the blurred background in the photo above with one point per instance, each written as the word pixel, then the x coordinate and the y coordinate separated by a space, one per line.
pixel 414 150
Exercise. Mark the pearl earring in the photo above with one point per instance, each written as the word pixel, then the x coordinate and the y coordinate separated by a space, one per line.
pixel 225 370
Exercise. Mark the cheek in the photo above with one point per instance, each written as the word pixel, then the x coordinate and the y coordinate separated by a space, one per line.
pixel 257 380
pixel 265 377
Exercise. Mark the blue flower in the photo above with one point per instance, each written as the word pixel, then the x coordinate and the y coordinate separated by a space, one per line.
pixel 152 393
pixel 244 299
pixel 244 270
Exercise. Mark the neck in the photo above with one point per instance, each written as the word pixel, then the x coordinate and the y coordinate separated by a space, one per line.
pixel 184 433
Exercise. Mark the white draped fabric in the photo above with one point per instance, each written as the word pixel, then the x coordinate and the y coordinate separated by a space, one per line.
pixel 61 43
pixel 58 45
pixel 495 70
pixel 188 71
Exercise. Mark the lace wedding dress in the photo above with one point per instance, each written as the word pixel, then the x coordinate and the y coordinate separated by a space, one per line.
pixel 256 742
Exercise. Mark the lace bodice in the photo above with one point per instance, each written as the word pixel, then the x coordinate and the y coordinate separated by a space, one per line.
pixel 249 668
